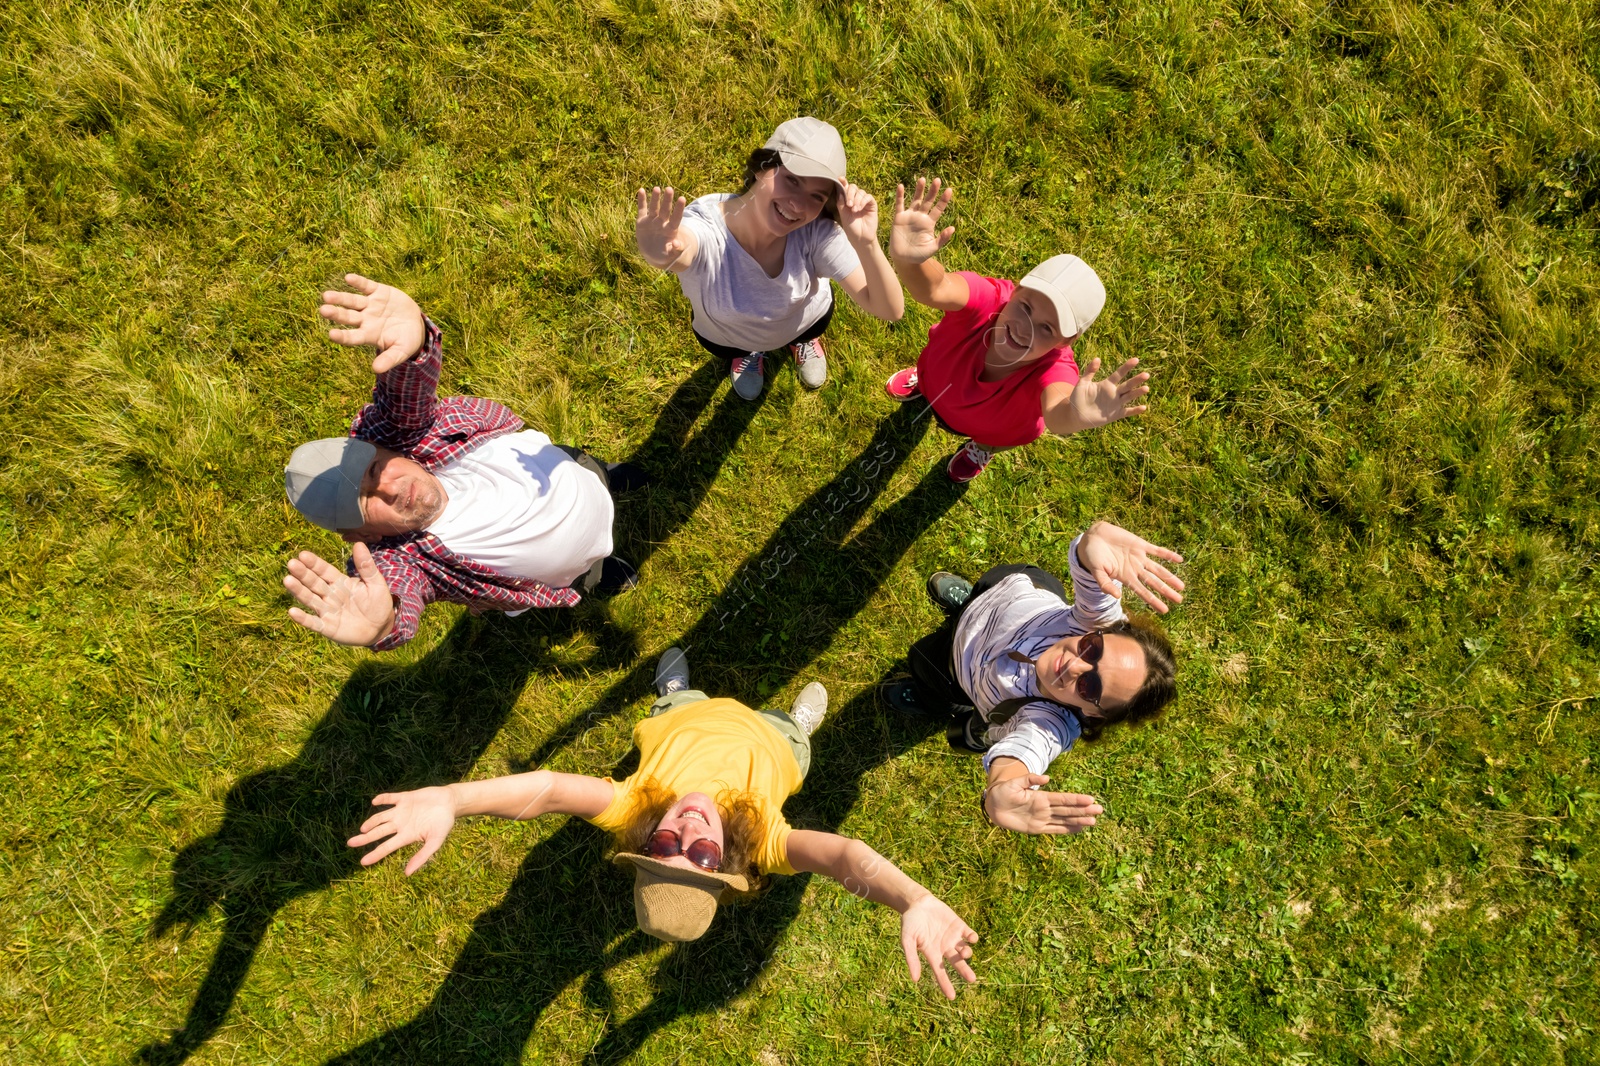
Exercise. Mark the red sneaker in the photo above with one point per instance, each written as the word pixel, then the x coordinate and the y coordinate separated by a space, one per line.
pixel 902 385
pixel 969 462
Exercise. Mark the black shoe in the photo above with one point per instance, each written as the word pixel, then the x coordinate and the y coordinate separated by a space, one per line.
pixel 625 477
pixel 949 591
pixel 902 696
pixel 616 575
pixel 963 734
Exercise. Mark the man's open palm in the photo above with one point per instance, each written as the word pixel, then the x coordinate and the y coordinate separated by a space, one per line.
pixel 347 610
pixel 378 315
pixel 1112 554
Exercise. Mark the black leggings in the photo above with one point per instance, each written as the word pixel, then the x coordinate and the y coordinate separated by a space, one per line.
pixel 932 657
pixel 813 331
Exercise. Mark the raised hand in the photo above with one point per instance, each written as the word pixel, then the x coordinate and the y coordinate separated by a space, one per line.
pixel 915 235
pixel 379 315
pixel 1112 554
pixel 1099 403
pixel 347 610
pixel 858 214
pixel 1017 804
pixel 658 230
pixel 930 928
pixel 424 817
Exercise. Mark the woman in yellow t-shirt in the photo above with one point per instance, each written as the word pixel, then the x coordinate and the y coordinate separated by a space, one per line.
pixel 700 821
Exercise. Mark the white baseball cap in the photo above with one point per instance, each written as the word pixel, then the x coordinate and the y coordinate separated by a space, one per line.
pixel 1072 288
pixel 810 148
pixel 323 481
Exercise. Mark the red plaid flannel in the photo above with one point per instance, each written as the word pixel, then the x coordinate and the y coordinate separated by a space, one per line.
pixel 407 415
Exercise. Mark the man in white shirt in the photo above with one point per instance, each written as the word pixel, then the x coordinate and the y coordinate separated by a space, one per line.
pixel 1023 674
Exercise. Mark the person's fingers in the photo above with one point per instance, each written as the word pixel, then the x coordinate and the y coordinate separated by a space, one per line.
pixel 964 968
pixel 1134 384
pixel 1155 581
pixel 899 198
pixel 1089 370
pixel 1107 581
pixel 387 848
pixel 1156 603
pixel 339 315
pixel 1129 412
pixel 1037 779
pixel 936 964
pixel 944 237
pixel 675 219
pixel 375 828
pixel 320 569
pixel 426 852
pixel 933 190
pixel 1121 372
pixel 310 621
pixel 348 337
pixel 361 284
pixel 353 300
pixel 1164 553
pixel 366 567
pixel 916 201
pixel 307 587
pixel 306 598
pixel 913 963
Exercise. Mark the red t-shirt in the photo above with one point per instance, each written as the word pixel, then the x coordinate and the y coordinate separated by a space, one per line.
pixel 1000 414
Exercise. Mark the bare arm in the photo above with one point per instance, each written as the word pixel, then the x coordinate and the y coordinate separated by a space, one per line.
pixel 928 927
pixel 873 286
pixel 426 815
pixel 1091 404
pixel 659 231
pixel 915 238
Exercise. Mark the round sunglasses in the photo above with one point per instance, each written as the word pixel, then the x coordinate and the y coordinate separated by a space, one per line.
pixel 665 844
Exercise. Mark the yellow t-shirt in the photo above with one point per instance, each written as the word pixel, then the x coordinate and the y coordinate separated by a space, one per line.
pixel 715 746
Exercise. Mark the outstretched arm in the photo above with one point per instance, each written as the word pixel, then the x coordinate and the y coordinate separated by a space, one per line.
pixel 1013 800
pixel 426 815
pixel 660 233
pixel 928 928
pixel 915 238
pixel 1117 559
pixel 355 610
pixel 873 286
pixel 1090 404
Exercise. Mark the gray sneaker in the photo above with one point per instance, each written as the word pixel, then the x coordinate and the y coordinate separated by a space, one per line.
pixel 810 707
pixel 748 374
pixel 672 672
pixel 811 362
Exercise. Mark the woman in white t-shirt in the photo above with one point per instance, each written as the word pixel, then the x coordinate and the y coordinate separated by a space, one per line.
pixel 756 266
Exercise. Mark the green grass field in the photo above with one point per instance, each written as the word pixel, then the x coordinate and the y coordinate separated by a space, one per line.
pixel 1356 242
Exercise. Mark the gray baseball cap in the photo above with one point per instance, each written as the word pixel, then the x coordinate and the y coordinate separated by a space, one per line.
pixel 1072 288
pixel 809 147
pixel 323 480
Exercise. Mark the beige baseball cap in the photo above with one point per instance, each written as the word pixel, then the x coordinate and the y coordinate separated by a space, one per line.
pixel 672 903
pixel 809 147
pixel 323 481
pixel 1072 288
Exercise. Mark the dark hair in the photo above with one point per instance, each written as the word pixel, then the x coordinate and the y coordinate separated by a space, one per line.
pixel 768 159
pixel 1160 677
pixel 743 828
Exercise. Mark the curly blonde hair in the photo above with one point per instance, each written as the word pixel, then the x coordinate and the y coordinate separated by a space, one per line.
pixel 744 826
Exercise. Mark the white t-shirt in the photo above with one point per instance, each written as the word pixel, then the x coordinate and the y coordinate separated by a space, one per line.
pixel 1016 616
pixel 734 301
pixel 521 506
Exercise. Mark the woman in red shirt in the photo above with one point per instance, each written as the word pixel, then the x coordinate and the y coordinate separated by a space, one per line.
pixel 998 368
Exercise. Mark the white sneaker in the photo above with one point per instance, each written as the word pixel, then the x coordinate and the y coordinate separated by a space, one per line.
pixel 810 707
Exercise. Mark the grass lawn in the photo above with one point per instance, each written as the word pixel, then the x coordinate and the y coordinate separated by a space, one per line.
pixel 1355 241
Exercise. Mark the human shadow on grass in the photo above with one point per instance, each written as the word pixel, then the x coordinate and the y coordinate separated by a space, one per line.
pixel 567 916
pixel 283 830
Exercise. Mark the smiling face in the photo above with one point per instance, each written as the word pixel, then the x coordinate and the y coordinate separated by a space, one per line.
pixel 1121 667
pixel 1028 327
pixel 694 817
pixel 398 495
pixel 783 202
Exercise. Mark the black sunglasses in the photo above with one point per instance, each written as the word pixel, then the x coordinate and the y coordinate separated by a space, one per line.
pixel 665 844
pixel 1091 646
